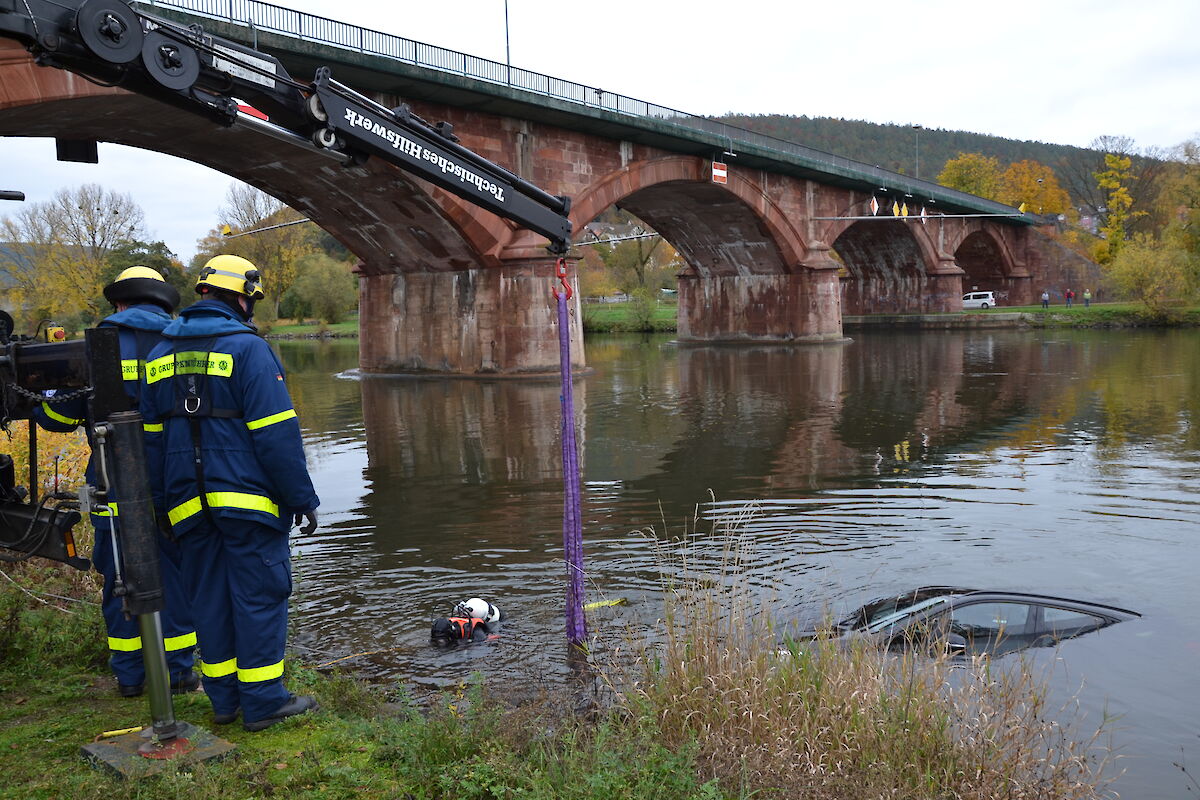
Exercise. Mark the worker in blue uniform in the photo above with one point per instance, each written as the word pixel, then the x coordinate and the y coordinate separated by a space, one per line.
pixel 228 473
pixel 142 303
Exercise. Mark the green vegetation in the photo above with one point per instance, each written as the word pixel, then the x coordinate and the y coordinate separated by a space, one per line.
pixel 710 707
pixel 624 317
pixel 639 315
pixel 313 328
pixel 1101 315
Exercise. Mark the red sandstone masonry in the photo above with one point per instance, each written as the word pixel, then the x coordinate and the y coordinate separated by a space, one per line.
pixel 750 244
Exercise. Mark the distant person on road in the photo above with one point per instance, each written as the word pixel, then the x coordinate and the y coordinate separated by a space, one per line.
pixel 1087 298
pixel 1045 299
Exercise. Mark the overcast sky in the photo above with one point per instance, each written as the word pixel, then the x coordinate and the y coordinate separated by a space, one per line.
pixel 1063 71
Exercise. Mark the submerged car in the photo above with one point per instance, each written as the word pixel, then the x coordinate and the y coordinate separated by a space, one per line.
pixel 977 622
pixel 979 300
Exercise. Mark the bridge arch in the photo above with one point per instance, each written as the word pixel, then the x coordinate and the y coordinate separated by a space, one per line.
pixel 421 232
pixel 987 261
pixel 731 229
pixel 888 265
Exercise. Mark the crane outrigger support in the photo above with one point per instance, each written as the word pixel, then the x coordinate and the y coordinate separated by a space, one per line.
pixel 109 42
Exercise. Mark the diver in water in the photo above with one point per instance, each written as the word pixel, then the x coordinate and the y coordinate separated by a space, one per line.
pixel 474 620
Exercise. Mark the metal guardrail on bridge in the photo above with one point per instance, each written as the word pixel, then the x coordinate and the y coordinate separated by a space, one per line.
pixel 259 16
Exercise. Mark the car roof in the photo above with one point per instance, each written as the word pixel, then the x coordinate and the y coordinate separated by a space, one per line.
pixel 1044 599
pixel 958 594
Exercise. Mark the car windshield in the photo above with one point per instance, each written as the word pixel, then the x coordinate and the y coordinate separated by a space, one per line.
pixel 900 613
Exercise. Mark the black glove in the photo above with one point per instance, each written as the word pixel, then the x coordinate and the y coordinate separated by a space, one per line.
pixel 309 520
pixel 164 526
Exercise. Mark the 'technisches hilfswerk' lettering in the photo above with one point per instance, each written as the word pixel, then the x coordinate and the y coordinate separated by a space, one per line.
pixel 399 142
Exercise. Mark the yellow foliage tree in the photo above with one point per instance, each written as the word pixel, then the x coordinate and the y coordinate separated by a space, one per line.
pixel 275 252
pixel 973 173
pixel 58 252
pixel 595 278
pixel 1114 180
pixel 1034 185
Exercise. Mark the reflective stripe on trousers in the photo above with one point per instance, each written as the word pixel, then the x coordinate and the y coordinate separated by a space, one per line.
pixel 252 675
pixel 170 643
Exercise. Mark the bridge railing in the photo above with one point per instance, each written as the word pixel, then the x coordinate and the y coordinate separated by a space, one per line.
pixel 256 15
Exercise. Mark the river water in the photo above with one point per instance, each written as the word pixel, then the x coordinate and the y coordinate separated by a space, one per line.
pixel 1060 462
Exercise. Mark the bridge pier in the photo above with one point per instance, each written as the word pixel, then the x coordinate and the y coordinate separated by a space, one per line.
pixel 945 288
pixel 499 321
pixel 802 306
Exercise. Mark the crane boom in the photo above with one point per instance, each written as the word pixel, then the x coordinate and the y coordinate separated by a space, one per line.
pixel 110 42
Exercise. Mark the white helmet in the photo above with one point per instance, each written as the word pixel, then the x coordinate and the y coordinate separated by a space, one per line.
pixel 478 608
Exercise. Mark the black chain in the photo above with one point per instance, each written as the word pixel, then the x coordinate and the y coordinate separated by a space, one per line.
pixel 38 397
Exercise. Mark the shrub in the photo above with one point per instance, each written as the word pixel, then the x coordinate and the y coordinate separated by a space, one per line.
pixel 1159 275
pixel 642 304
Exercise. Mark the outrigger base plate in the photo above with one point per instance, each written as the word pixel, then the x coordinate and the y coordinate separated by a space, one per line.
pixel 135 755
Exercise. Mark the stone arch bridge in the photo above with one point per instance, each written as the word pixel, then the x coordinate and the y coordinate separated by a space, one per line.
pixel 779 252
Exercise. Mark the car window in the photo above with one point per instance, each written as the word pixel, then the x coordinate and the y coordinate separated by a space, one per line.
pixel 989 619
pixel 1064 622
pixel 879 623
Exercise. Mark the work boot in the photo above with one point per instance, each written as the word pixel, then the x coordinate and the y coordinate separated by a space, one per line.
pixel 296 704
pixel 225 719
pixel 189 682
pixel 130 689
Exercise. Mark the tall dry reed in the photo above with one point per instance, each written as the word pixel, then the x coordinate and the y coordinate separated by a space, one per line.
pixel 836 719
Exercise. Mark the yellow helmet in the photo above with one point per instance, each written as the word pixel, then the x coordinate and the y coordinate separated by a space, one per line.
pixel 233 274
pixel 138 284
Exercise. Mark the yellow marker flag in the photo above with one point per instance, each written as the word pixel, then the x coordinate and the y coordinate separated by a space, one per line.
pixel 904 210
pixel 1021 208
pixel 226 230
pixel 895 209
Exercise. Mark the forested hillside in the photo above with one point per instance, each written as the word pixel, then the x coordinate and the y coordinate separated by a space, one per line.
pixel 895 147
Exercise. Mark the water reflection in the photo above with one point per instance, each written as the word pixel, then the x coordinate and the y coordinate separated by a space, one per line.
pixel 1061 463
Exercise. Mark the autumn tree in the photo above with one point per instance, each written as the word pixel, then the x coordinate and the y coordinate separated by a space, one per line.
pixel 275 252
pixel 645 261
pixel 1159 274
pixel 973 173
pixel 595 278
pixel 157 256
pixel 1078 170
pixel 1182 197
pixel 59 251
pixel 1034 185
pixel 1114 181
pixel 325 288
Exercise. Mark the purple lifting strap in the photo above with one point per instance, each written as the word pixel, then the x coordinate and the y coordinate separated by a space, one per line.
pixel 572 524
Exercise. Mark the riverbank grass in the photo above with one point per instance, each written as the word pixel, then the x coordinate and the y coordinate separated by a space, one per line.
pixel 717 703
pixel 311 329
pixel 630 317
pixel 365 742
pixel 1100 315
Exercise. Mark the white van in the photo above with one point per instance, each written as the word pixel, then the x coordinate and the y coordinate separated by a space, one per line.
pixel 979 300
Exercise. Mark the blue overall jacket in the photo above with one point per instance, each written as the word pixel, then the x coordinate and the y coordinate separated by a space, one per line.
pixel 139 331
pixel 222 438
